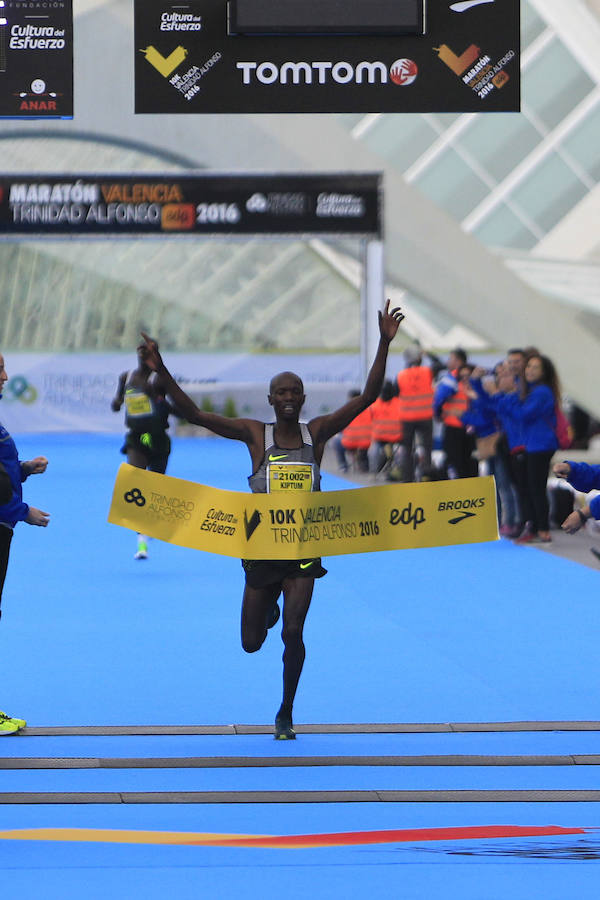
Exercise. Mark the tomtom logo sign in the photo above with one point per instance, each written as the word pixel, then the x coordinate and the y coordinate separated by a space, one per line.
pixel 402 72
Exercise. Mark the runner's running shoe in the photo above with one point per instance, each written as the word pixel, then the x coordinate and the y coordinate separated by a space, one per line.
pixel 20 723
pixel 142 550
pixel 7 726
pixel 283 728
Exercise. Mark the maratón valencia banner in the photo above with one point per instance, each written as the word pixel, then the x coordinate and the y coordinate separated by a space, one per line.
pixel 297 524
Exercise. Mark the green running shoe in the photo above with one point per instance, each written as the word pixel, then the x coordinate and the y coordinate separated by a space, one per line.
pixel 21 723
pixel 8 725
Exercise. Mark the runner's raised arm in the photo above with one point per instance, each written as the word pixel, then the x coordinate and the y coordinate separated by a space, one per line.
pixel 324 427
pixel 247 430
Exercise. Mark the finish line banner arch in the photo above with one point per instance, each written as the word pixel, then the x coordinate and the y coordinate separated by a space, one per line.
pixel 296 524
pixel 201 204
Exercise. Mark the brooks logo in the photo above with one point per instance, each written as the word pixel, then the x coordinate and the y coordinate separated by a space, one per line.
pixel 465 515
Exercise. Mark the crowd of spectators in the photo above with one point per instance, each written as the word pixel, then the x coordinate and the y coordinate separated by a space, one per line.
pixel 455 420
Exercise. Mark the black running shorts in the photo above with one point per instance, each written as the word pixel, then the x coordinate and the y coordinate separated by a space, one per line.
pixel 156 451
pixel 262 573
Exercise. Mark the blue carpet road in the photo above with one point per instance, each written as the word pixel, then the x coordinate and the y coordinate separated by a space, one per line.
pixel 489 632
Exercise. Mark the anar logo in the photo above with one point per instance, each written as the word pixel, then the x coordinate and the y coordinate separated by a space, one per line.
pixel 135 496
pixel 252 523
pixel 37 98
pixel 404 71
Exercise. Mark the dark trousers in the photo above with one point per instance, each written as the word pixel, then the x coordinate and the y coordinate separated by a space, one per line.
pixel 5 539
pixel 458 447
pixel 422 429
pixel 518 470
pixel 538 511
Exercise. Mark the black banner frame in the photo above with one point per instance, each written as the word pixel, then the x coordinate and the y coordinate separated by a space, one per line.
pixel 143 204
pixel 468 60
pixel 338 194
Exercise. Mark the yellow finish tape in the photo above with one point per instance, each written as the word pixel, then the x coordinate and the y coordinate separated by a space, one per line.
pixel 305 525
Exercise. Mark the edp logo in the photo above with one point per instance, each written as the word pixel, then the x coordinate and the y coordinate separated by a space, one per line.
pixel 408 516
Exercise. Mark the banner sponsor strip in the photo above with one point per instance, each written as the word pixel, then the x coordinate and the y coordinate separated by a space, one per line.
pixel 294 524
pixel 137 204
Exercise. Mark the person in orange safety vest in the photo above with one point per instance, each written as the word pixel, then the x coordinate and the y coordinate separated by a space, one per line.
pixel 356 438
pixel 386 430
pixel 415 387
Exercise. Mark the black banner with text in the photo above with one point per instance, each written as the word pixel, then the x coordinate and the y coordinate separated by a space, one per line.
pixel 462 56
pixel 143 204
pixel 36 59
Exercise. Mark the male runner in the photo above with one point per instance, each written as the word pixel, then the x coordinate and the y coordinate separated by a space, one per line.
pixel 147 444
pixel 286 442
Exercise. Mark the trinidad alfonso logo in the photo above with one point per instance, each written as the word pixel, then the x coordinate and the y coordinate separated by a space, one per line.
pixel 134 496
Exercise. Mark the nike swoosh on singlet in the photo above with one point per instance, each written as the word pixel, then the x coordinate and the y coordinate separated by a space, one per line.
pixel 275 458
pixel 306 565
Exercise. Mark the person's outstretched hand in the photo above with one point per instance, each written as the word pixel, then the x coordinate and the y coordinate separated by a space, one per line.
pixel 562 470
pixel 389 322
pixel 36 466
pixel 37 517
pixel 151 356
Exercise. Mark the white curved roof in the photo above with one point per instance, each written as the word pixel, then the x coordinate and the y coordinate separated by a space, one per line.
pixel 491 220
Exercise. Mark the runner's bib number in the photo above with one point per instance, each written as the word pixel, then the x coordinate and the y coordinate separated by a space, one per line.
pixel 290 477
pixel 138 404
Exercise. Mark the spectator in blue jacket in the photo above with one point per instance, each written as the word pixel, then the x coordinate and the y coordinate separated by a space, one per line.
pixel 13 510
pixel 450 403
pixel 492 445
pixel 535 414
